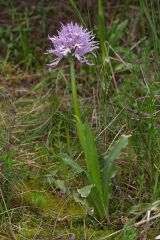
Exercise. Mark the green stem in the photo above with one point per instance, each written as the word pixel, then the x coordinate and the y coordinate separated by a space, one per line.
pixel 74 89
pixel 79 125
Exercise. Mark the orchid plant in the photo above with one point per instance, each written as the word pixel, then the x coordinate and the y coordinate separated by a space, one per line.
pixel 74 42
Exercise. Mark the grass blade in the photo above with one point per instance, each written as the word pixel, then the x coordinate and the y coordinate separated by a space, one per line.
pixel 101 29
pixel 72 2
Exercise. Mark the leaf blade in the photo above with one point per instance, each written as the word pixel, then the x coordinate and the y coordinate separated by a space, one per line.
pixel 71 163
pixel 110 166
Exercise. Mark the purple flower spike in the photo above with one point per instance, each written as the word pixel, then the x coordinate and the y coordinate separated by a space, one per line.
pixel 72 40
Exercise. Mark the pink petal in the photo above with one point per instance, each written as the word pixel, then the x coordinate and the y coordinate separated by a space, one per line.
pixel 55 63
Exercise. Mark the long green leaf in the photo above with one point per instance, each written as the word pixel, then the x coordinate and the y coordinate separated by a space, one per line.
pixel 91 157
pixel 80 131
pixel 92 161
pixel 109 169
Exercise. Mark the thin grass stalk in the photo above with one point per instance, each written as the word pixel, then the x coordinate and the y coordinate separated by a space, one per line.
pixel 101 29
pixel 72 2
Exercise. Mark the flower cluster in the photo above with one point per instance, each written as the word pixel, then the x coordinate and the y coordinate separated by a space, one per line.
pixel 73 40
